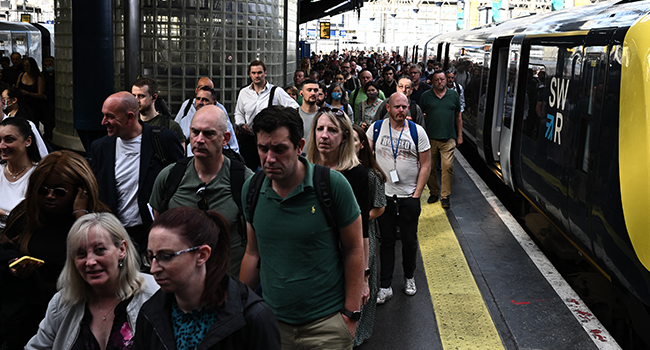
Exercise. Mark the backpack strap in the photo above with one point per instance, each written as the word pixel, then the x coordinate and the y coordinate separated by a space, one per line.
pixel 173 181
pixel 271 96
pixel 187 108
pixel 254 193
pixel 324 193
pixel 413 109
pixel 375 131
pixel 159 153
pixel 354 100
pixel 237 179
pixel 414 135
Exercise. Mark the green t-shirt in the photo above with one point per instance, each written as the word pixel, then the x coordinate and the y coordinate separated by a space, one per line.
pixel 218 195
pixel 440 114
pixel 301 266
pixel 173 126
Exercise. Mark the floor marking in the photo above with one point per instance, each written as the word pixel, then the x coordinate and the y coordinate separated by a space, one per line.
pixel 463 320
pixel 581 312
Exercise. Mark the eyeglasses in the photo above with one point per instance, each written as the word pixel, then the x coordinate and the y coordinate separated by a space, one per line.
pixel 203 202
pixel 163 258
pixel 59 191
pixel 336 111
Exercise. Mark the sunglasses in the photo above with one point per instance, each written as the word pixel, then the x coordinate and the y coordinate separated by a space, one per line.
pixel 58 192
pixel 203 202
pixel 336 111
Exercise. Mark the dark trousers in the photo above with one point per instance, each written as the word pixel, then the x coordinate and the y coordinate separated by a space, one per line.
pixel 401 215
pixel 248 150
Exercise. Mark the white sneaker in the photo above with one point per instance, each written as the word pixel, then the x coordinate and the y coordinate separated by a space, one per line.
pixel 384 294
pixel 409 286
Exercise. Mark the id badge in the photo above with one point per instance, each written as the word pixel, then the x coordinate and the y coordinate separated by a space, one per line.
pixel 393 176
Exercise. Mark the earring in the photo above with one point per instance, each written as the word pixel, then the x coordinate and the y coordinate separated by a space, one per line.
pixel 120 262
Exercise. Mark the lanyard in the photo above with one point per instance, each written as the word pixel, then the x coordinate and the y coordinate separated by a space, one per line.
pixel 392 148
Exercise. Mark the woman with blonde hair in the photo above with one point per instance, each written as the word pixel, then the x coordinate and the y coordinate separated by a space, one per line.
pixel 331 144
pixel 61 189
pixel 100 290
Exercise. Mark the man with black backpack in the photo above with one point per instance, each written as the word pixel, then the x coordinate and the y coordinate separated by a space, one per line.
pixel 304 233
pixel 209 180
pixel 145 90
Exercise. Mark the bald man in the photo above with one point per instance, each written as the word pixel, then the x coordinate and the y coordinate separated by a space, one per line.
pixel 126 164
pixel 207 177
pixel 190 106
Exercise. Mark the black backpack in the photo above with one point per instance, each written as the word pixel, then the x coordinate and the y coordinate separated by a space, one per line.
pixel 237 178
pixel 323 192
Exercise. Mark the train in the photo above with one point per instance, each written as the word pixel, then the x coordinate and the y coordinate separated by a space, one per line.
pixel 558 107
pixel 30 40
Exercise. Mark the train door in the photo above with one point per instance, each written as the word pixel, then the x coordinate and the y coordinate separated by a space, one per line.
pixel 497 113
pixel 586 130
pixel 506 104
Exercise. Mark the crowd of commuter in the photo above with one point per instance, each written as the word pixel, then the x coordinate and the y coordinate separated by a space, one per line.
pixel 275 228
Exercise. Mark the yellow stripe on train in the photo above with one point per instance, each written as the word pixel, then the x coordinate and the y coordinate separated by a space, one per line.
pixel 634 137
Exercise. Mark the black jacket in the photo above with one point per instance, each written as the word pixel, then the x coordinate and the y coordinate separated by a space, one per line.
pixel 243 322
pixel 102 161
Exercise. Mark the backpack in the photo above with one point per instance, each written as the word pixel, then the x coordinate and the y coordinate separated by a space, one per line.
pixel 159 152
pixel 271 96
pixel 323 192
pixel 237 173
pixel 412 129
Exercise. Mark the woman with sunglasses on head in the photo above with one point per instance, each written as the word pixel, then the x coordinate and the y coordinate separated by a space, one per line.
pixel 100 290
pixel 199 304
pixel 61 189
pixel 377 198
pixel 19 157
pixel 331 144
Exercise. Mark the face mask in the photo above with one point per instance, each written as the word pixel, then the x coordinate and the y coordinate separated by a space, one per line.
pixel 373 95
pixel 336 96
pixel 5 110
pixel 49 69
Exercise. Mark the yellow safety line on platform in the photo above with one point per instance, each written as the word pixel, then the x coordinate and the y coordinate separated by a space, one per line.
pixel 463 319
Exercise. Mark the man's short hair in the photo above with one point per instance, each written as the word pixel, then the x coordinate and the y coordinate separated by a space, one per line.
pixel 322 87
pixel 272 118
pixel 387 69
pixel 213 93
pixel 404 76
pixel 256 63
pixel 300 70
pixel 308 81
pixel 415 66
pixel 152 86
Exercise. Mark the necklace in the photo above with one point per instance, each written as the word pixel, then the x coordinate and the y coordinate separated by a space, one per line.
pixel 109 310
pixel 16 174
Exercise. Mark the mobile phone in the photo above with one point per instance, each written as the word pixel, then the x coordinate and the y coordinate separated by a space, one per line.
pixel 25 260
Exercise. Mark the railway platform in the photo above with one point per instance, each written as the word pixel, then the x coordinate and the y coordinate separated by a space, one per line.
pixel 482 284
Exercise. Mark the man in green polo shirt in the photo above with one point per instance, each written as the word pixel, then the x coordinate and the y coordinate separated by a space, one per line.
pixel 441 108
pixel 312 275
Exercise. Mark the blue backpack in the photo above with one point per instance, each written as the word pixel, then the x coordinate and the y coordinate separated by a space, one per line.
pixel 412 129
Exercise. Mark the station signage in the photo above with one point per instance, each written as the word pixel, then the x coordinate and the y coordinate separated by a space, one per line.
pixel 325 30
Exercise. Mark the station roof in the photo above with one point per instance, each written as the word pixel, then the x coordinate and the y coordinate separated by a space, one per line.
pixel 315 9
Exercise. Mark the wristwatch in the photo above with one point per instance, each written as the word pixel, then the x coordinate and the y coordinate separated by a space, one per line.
pixel 353 315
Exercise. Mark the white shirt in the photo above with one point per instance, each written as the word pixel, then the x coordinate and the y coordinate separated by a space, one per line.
pixel 186 121
pixel 249 102
pixel 12 192
pixel 127 179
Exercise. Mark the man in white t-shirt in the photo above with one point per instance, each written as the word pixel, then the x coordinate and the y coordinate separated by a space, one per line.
pixel 127 161
pixel 407 167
